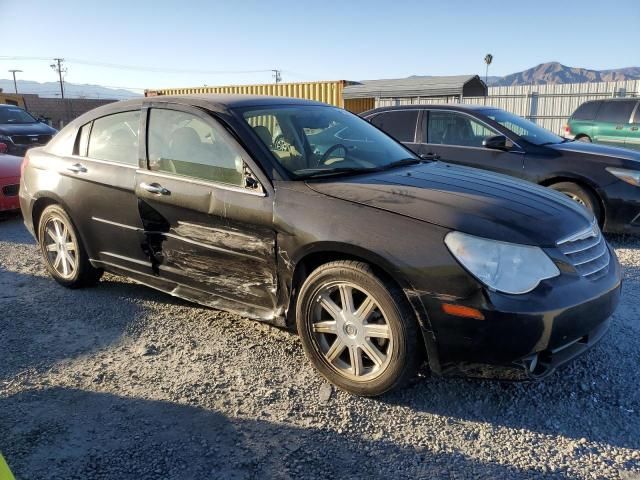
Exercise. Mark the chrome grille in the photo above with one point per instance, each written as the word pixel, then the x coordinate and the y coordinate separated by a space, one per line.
pixel 587 251
pixel 34 140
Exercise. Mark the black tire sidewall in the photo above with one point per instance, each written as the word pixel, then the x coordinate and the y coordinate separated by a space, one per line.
pixel 85 273
pixel 401 323
pixel 590 201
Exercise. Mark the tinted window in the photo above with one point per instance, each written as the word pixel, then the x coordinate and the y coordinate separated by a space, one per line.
pixel 448 128
pixel 83 140
pixel 636 117
pixel 115 138
pixel 616 112
pixel 400 124
pixel 184 144
pixel 586 111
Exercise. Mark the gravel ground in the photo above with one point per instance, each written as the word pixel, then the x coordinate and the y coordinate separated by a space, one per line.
pixel 123 382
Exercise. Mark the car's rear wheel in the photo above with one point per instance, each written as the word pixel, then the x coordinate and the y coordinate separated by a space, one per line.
pixel 64 254
pixel 579 195
pixel 357 329
pixel 584 138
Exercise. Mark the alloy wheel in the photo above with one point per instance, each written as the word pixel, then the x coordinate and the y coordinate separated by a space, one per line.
pixel 351 332
pixel 61 247
pixel 575 198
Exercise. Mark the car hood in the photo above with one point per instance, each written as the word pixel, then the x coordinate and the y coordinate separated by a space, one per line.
pixel 26 129
pixel 604 151
pixel 9 166
pixel 466 199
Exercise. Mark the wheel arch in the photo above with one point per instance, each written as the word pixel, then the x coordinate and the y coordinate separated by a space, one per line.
pixel 43 201
pixel 325 252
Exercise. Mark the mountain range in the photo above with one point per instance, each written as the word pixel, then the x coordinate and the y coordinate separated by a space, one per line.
pixel 71 90
pixel 555 73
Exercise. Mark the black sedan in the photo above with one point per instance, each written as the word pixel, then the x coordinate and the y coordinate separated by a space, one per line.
pixel 376 257
pixel 19 131
pixel 604 179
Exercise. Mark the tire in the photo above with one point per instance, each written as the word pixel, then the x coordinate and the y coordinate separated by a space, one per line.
pixel 66 260
pixel 584 138
pixel 581 195
pixel 340 350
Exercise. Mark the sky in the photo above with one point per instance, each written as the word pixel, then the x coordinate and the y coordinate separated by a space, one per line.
pixel 156 44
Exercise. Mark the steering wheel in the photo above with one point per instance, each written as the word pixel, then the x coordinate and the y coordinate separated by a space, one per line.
pixel 332 149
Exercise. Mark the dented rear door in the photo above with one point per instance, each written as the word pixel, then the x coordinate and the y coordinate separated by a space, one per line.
pixel 205 232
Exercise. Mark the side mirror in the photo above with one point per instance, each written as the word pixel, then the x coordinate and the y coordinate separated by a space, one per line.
pixel 498 142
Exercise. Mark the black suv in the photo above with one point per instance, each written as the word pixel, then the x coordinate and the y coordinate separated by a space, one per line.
pixel 19 131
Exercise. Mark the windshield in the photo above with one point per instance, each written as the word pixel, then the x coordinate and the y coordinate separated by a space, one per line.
pixel 310 140
pixel 15 115
pixel 525 129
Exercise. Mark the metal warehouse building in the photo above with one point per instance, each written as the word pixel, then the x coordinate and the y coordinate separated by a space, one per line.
pixel 416 89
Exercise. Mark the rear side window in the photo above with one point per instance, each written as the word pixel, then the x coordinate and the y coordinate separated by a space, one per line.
pixel 400 124
pixel 586 111
pixel 636 117
pixel 616 112
pixel 184 144
pixel 115 138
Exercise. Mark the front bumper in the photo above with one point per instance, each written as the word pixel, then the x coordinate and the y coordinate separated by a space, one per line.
pixel 525 335
pixel 622 208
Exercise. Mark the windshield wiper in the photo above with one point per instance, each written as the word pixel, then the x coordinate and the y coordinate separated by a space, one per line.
pixel 403 162
pixel 337 171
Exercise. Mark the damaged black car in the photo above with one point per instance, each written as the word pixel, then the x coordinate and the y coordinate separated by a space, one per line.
pixel 306 216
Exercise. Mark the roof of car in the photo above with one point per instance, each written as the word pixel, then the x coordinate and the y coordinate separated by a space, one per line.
pixel 432 106
pixel 223 101
pixel 213 102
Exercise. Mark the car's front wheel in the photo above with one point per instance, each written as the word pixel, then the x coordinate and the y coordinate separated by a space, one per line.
pixel 580 195
pixel 357 329
pixel 64 254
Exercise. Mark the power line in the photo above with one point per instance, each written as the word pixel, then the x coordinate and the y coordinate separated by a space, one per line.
pixel 139 68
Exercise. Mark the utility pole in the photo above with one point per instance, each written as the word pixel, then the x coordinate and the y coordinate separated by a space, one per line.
pixel 15 85
pixel 57 67
pixel 277 75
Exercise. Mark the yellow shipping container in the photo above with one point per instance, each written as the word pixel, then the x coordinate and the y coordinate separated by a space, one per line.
pixel 328 92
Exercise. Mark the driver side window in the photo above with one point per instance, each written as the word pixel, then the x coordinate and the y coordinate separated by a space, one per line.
pixel 449 128
pixel 183 144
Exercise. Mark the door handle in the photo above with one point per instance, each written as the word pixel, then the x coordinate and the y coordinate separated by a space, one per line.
pixel 634 128
pixel 429 156
pixel 155 188
pixel 77 168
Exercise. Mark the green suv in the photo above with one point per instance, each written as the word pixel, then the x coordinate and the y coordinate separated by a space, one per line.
pixel 613 122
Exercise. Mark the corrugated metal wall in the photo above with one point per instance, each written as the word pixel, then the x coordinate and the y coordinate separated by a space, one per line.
pixel 328 92
pixel 359 105
pixel 548 105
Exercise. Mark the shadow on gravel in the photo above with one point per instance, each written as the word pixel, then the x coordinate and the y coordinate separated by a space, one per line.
pixel 43 323
pixel 12 229
pixel 67 433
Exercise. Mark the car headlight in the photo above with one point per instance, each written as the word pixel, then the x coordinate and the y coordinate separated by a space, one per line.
pixel 504 267
pixel 629 176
